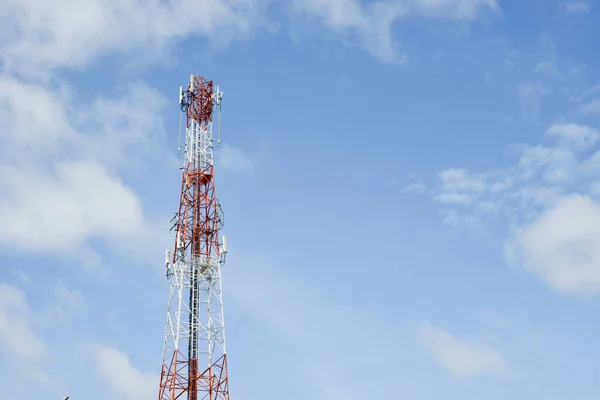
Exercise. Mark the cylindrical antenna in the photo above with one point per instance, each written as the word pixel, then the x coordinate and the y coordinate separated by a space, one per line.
pixel 224 250
pixel 167 258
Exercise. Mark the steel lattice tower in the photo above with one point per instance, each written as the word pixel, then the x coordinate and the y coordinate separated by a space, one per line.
pixel 194 364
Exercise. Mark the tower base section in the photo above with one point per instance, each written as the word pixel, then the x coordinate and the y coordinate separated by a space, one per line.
pixel 180 380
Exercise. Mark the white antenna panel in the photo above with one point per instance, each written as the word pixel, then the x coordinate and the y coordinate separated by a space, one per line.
pixel 167 257
pixel 224 245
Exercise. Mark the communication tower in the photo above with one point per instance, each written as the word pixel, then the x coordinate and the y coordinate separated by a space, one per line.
pixel 194 361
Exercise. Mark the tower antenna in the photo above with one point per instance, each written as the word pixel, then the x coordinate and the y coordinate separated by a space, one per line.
pixel 194 360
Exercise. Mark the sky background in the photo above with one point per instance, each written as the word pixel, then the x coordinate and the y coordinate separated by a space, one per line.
pixel 410 190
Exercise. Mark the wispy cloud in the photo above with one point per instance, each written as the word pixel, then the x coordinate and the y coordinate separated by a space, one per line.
pixel 17 337
pixel 20 340
pixel 460 357
pixel 233 158
pixel 578 7
pixel 123 378
pixel 549 198
pixel 318 330
pixel 539 176
pixel 66 302
pixel 531 96
pixel 372 25
pixel 415 187
pixel 455 9
pixel 591 108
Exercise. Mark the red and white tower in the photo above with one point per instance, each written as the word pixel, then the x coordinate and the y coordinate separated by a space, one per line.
pixel 194 365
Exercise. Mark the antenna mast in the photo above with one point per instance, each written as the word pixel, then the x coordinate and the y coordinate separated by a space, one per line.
pixel 194 362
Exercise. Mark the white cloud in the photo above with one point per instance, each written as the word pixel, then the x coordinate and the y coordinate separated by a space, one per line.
pixel 81 200
pixel 539 176
pixel 455 9
pixel 415 187
pixel 123 378
pixel 66 301
pixel 562 246
pixel 552 164
pixel 578 7
pixel 43 121
pixel 83 195
pixel 530 96
pixel 22 277
pixel 128 128
pixel 459 357
pixel 540 77
pixel 459 187
pixel 16 334
pixel 232 158
pixel 27 108
pixel 453 198
pixel 38 38
pixel 550 198
pixel 18 340
pixel 460 179
pixel 41 36
pixel 456 219
pixel 372 24
pixel 576 136
pixel 592 107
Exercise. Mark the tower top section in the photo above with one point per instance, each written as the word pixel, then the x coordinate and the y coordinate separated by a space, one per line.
pixel 200 99
pixel 200 102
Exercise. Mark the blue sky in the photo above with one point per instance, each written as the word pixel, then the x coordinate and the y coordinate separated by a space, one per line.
pixel 410 193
